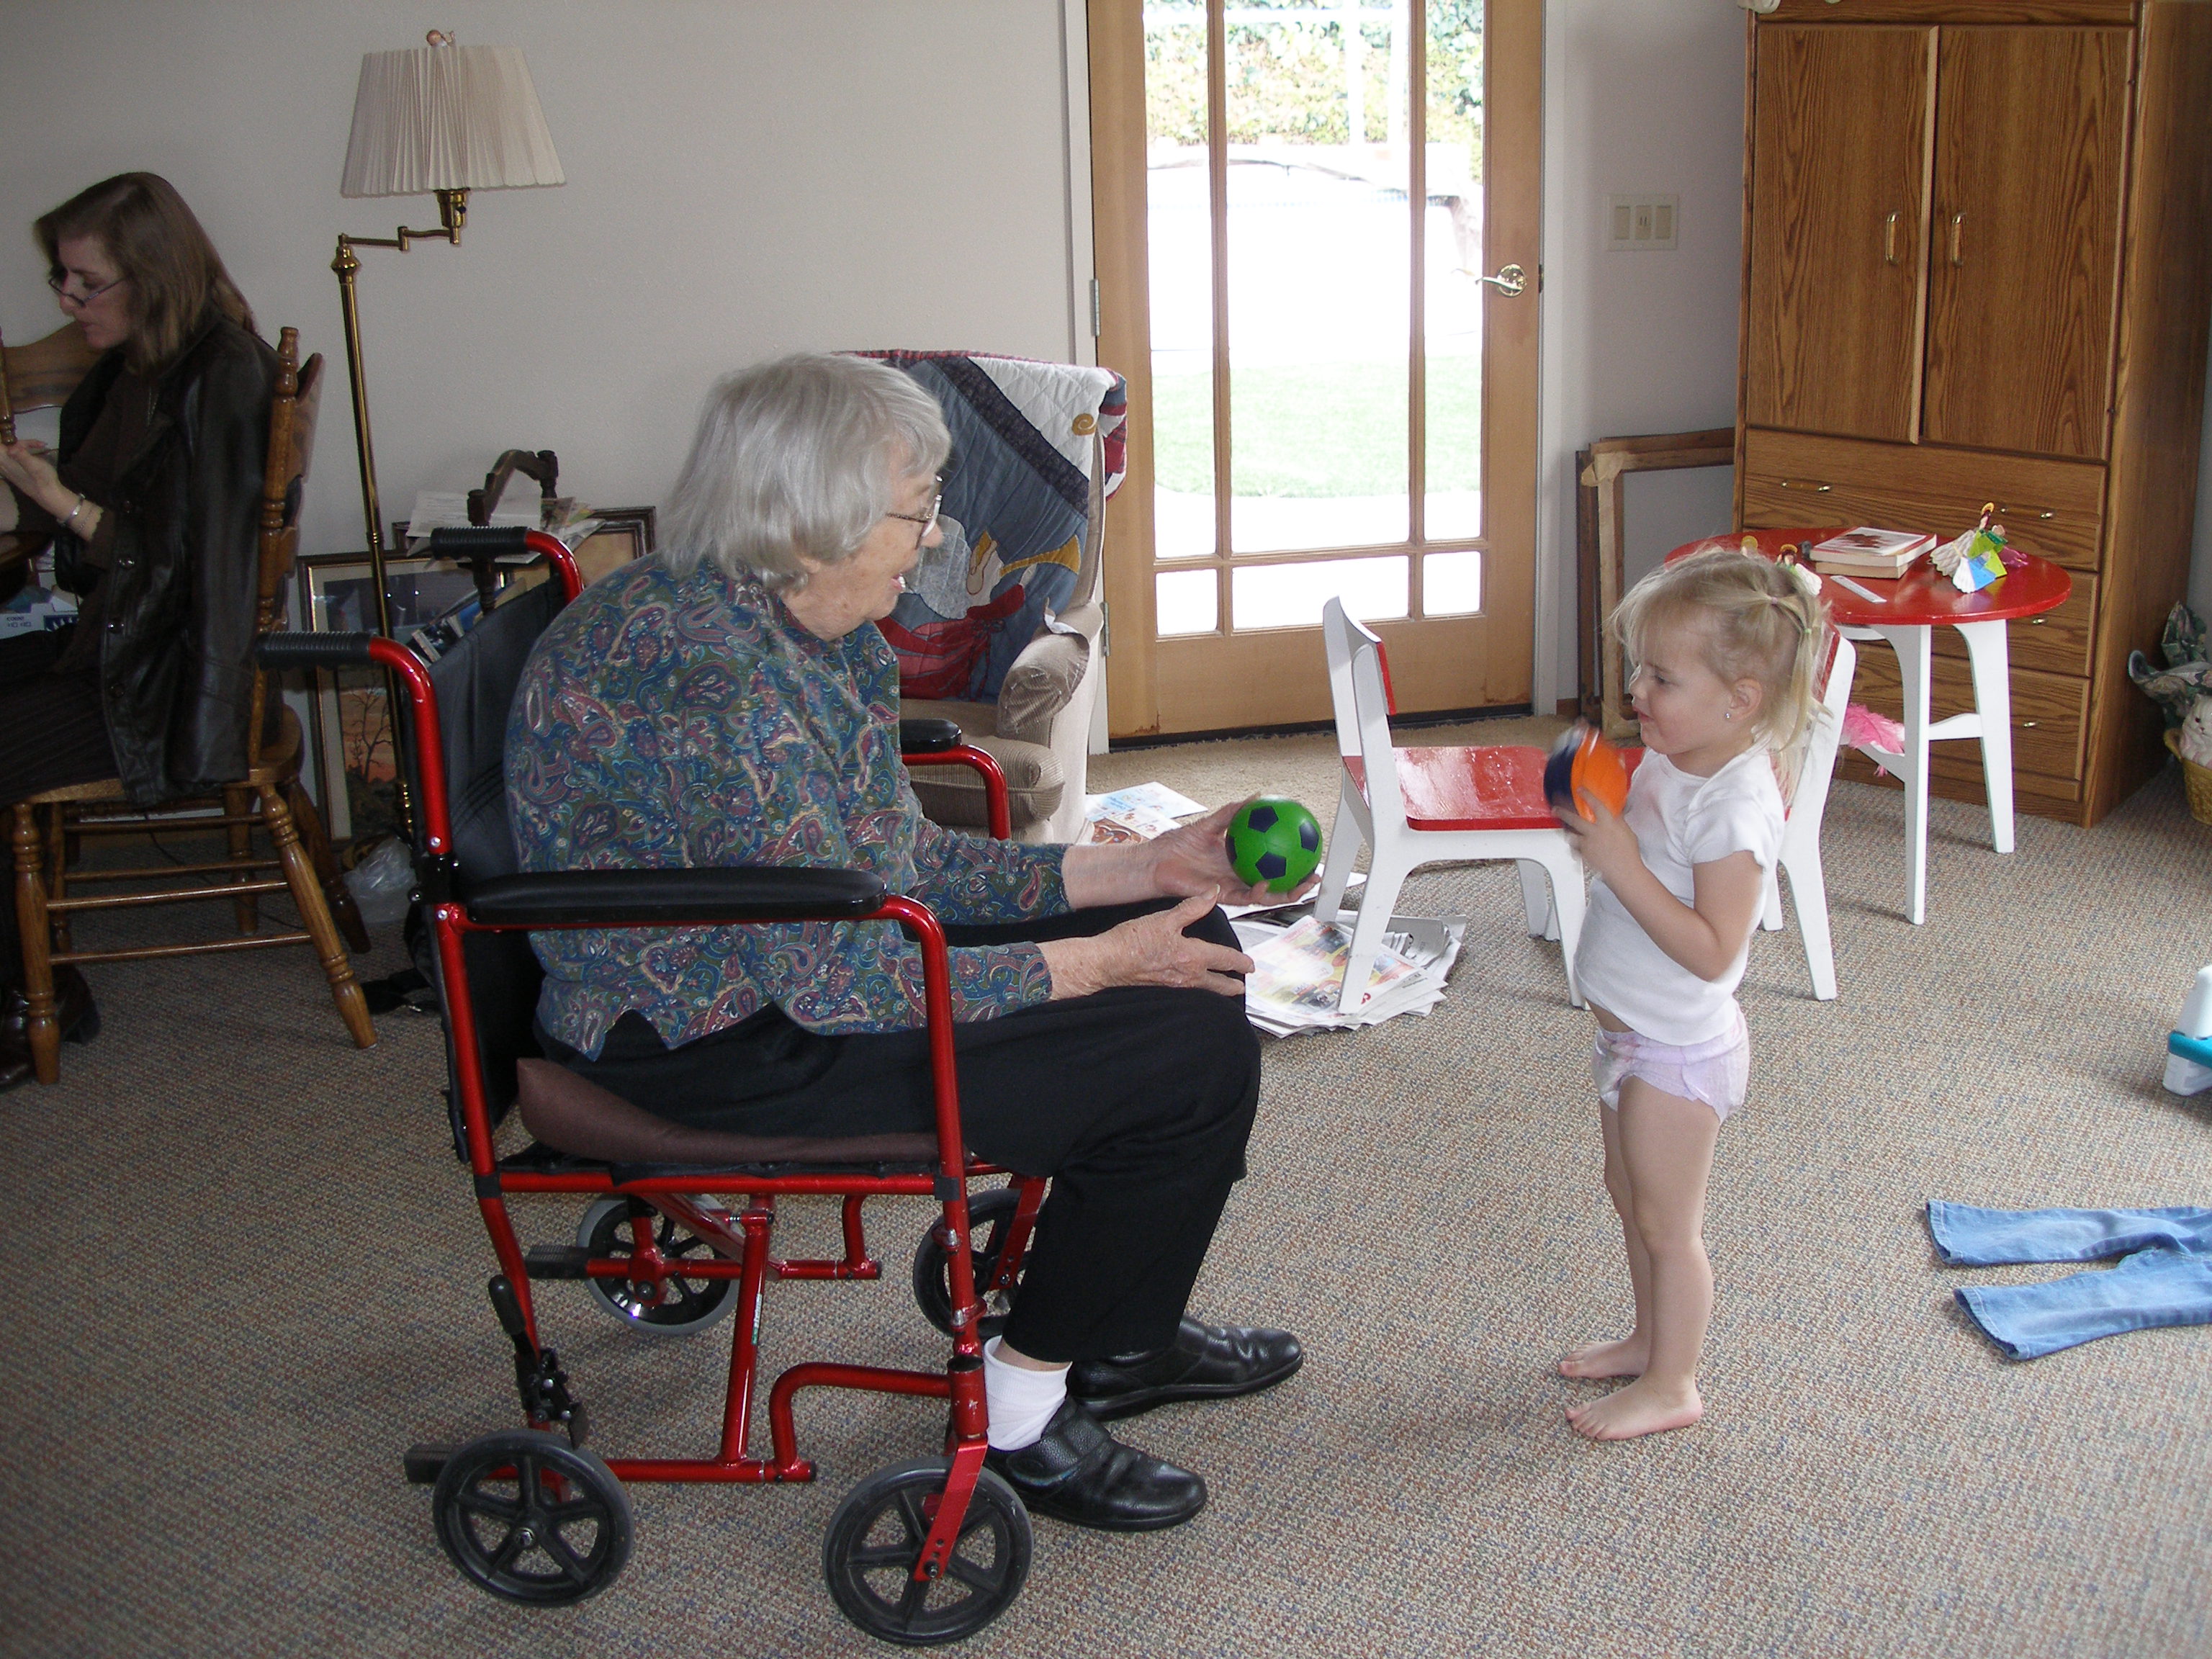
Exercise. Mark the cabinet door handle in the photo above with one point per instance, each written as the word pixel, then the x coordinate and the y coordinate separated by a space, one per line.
pixel 2037 622
pixel 1818 489
pixel 1889 241
pixel 1957 220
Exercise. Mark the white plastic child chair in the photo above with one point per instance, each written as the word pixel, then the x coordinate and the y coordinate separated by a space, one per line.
pixel 1413 806
pixel 1801 835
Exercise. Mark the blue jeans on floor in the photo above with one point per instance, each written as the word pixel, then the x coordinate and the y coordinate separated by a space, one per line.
pixel 2164 1279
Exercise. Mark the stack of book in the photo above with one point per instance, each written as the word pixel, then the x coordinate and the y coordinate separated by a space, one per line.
pixel 1869 552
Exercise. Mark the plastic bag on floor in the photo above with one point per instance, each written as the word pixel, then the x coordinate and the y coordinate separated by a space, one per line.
pixel 382 883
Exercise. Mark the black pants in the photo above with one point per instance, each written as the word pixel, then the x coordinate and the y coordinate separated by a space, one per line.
pixel 1137 1101
pixel 52 733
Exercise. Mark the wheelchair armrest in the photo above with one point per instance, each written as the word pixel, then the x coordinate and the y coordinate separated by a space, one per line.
pixel 285 649
pixel 929 736
pixel 613 898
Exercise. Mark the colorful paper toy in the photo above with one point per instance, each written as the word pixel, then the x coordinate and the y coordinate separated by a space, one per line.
pixel 1975 559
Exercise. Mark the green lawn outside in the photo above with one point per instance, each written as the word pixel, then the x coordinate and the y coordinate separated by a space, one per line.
pixel 1319 429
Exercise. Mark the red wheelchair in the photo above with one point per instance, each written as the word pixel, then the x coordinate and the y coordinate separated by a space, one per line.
pixel 678 1231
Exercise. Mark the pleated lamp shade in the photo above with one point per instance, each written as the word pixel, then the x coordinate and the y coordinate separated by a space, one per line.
pixel 447 118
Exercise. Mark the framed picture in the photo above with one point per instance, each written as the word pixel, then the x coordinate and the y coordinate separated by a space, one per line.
pixel 356 764
pixel 624 533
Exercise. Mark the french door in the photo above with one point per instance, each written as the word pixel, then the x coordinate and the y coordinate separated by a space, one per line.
pixel 1316 234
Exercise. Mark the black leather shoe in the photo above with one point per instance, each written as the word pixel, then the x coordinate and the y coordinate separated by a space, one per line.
pixel 13 1072
pixel 1205 1362
pixel 73 1006
pixel 1079 1473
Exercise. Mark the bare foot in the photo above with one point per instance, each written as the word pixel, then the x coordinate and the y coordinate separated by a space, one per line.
pixel 1626 1358
pixel 1639 1408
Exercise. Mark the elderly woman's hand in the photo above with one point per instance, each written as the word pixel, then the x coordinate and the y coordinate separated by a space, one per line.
pixel 1148 951
pixel 1191 858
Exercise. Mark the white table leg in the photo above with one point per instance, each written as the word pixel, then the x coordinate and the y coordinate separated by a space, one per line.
pixel 1912 646
pixel 1986 650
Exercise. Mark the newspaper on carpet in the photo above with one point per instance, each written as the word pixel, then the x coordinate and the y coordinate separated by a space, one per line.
pixel 1299 972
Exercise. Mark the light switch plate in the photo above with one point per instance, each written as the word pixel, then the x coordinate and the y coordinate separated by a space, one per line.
pixel 1642 224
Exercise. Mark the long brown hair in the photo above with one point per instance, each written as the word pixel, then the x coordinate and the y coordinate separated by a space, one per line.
pixel 176 276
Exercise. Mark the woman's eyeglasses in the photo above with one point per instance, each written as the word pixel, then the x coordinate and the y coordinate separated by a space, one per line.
pixel 926 520
pixel 60 286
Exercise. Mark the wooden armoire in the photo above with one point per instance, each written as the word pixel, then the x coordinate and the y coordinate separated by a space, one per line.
pixel 1978 267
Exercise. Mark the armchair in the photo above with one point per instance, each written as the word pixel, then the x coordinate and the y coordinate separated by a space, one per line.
pixel 1002 630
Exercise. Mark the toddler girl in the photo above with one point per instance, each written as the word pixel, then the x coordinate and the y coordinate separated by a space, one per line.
pixel 1726 645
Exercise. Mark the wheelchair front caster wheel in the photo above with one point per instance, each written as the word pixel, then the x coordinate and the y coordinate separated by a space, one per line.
pixel 675 1307
pixel 876 1537
pixel 532 1518
pixel 990 1212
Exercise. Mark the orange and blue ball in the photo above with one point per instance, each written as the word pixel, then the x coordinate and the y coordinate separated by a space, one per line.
pixel 1583 766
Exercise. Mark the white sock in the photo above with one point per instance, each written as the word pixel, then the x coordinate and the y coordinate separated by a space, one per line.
pixel 1022 1402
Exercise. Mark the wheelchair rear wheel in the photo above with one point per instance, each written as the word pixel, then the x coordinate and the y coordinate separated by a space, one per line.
pixel 676 1307
pixel 989 1213
pixel 877 1535
pixel 533 1519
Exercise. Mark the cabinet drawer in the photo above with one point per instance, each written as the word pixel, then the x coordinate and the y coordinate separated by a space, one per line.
pixel 2057 642
pixel 2048 711
pixel 2055 508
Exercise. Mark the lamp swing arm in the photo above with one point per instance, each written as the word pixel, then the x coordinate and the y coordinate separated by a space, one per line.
pixel 452 219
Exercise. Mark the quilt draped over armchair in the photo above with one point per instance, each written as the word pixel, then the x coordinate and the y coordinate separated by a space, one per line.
pixel 1000 627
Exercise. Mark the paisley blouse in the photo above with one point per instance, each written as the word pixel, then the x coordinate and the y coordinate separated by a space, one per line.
pixel 664 723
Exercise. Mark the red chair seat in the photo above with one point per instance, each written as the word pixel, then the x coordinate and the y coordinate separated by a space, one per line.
pixel 1494 786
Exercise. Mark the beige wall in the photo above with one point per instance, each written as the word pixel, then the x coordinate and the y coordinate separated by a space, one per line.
pixel 1641 96
pixel 744 177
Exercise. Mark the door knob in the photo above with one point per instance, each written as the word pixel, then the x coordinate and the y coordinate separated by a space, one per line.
pixel 1511 281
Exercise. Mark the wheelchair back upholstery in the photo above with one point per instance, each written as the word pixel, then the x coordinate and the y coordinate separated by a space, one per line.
pixel 475 681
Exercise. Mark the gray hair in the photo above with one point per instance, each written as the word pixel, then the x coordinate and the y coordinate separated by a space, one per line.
pixel 797 457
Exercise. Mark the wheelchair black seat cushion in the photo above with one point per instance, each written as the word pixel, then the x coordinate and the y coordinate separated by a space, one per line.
pixel 575 1115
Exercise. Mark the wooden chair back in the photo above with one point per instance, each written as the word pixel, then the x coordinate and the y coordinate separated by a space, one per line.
pixel 292 415
pixel 41 375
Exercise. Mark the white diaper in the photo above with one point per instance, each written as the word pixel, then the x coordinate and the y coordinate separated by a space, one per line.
pixel 1717 1072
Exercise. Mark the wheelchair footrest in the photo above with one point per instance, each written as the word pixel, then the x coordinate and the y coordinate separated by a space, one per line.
pixel 424 1464
pixel 557 1261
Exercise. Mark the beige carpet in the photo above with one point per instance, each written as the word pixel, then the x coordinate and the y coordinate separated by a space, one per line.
pixel 243 1273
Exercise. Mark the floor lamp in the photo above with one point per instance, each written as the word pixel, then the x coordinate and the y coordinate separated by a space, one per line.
pixel 446 119
pixel 442 118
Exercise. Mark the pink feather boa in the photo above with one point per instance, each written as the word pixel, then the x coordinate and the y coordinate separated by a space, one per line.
pixel 1863 727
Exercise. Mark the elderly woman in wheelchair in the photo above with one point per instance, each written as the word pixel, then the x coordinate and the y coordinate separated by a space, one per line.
pixel 730 701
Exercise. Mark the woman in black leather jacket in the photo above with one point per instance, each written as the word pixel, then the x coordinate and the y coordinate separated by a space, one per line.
pixel 153 501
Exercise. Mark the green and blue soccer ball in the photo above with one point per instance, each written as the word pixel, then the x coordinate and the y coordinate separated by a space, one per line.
pixel 1275 842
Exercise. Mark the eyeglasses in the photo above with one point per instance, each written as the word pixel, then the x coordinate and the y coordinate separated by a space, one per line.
pixel 60 286
pixel 926 520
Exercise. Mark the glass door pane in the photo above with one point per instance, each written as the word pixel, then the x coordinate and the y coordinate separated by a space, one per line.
pixel 1318 275
pixel 1453 308
pixel 1373 589
pixel 1179 226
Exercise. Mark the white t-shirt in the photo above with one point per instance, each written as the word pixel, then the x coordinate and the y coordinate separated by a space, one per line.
pixel 1680 822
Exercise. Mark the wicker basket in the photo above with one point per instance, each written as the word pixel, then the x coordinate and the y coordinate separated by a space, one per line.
pixel 2197 780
